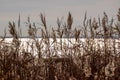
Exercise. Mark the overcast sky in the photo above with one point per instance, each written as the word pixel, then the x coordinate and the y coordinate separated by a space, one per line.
pixel 10 9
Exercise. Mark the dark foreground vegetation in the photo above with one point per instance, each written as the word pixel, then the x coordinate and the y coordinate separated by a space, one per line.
pixel 86 60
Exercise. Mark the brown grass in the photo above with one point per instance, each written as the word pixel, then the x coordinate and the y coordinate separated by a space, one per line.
pixel 84 60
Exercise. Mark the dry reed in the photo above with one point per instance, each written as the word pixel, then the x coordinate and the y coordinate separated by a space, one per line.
pixel 95 58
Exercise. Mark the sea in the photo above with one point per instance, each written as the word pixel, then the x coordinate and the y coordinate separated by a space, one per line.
pixel 29 45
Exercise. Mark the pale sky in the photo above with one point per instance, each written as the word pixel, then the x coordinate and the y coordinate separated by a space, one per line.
pixel 10 9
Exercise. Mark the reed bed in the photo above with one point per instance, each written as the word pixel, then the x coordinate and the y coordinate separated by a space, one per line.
pixel 88 53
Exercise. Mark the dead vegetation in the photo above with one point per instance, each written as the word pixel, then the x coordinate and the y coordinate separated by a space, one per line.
pixel 79 60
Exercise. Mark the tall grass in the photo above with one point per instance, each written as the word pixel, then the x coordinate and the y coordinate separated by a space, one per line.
pixel 94 58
